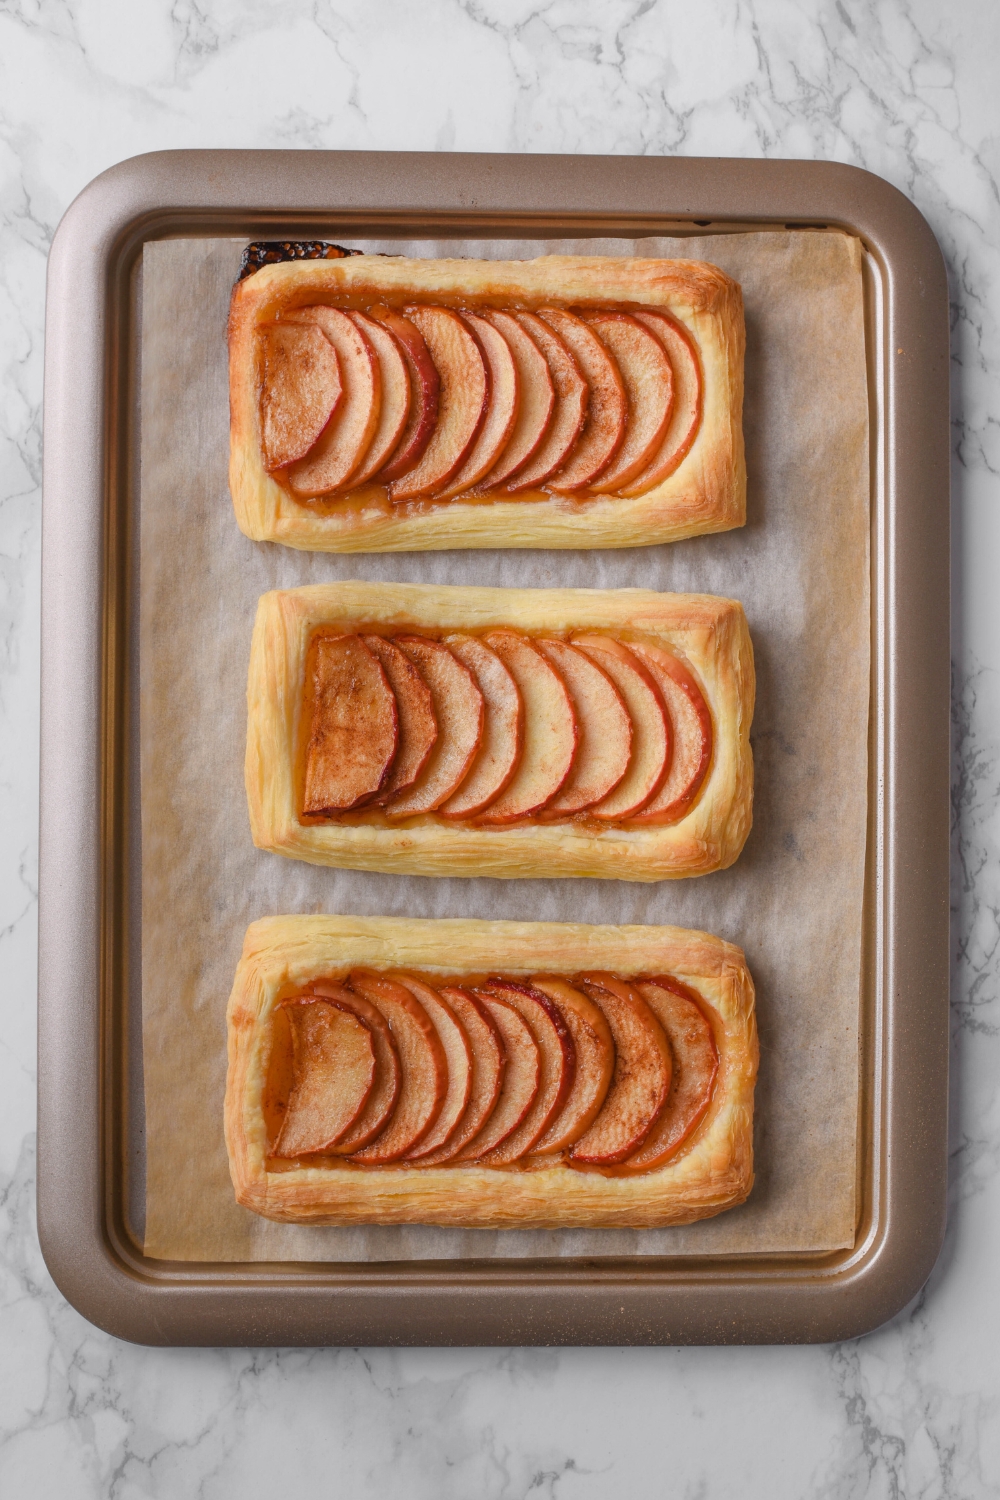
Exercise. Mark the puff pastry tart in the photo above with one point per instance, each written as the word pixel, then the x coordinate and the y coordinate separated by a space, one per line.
pixel 491 1074
pixel 509 732
pixel 383 403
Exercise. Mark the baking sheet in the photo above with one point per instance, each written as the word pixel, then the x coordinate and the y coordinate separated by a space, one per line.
pixel 794 899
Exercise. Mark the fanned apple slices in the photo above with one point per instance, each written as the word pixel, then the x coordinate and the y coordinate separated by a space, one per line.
pixel 500 729
pixel 433 402
pixel 390 1069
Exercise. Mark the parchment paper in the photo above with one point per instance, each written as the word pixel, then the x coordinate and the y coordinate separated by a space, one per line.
pixel 793 900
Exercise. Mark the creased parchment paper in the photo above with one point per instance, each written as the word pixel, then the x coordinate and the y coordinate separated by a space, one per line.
pixel 793 900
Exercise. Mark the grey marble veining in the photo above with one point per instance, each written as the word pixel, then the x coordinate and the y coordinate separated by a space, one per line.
pixel 905 89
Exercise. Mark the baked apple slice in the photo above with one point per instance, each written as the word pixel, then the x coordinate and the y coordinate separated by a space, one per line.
pixel 641 1082
pixel 346 438
pixel 462 401
pixel 385 1090
pixel 604 729
pixel 691 724
pixel 423 1067
pixel 685 419
pixel 595 1065
pixel 333 1069
pixel 489 1061
pixel 570 408
pixel 557 1065
pixel 696 1066
pixel 536 404
pixel 550 732
pixel 453 1039
pixel 503 729
pixel 300 388
pixel 395 405
pixel 501 414
pixel 424 394
pixel 520 1079
pixel 649 385
pixel 607 406
pixel 418 730
pixel 458 709
pixel 354 727
pixel 651 742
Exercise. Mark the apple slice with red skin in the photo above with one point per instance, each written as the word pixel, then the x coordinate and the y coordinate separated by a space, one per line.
pixel 453 1039
pixel 418 730
pixel 604 744
pixel 536 404
pixel 423 1068
pixel 651 739
pixel 696 1066
pixel 649 384
pixel 333 1069
pixel 570 408
pixel 346 438
pixel 641 1082
pixel 353 729
pixel 425 390
pixel 501 414
pixel 489 1061
pixel 607 406
pixel 691 723
pixel 595 1064
pixel 685 419
pixel 395 405
pixel 557 1065
pixel 520 1078
pixel 503 729
pixel 300 389
pixel 550 732
pixel 385 1091
pixel 458 709
pixel 463 398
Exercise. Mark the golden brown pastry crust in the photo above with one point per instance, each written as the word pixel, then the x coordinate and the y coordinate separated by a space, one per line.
pixel 712 1171
pixel 709 633
pixel 707 492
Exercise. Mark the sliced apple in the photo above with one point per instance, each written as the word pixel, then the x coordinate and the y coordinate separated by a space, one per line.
pixel 489 1060
pixel 501 414
pixel 696 1066
pixel 691 723
pixel 425 389
pixel 641 1082
pixel 649 385
pixel 458 708
pixel 570 409
pixel 557 1065
pixel 604 744
pixel 595 1065
pixel 333 1069
pixel 520 1079
pixel 536 405
pixel 607 405
pixel 550 732
pixel 458 1054
pixel 499 750
pixel 462 401
pixel 418 730
pixel 685 419
pixel 382 1100
pixel 651 740
pixel 300 389
pixel 354 728
pixel 423 1067
pixel 395 406
pixel 347 437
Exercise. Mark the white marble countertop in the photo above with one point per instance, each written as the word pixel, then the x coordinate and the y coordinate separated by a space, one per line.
pixel 907 88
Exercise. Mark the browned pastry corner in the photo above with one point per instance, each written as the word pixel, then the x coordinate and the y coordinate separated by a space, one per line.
pixel 385 403
pixel 489 1074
